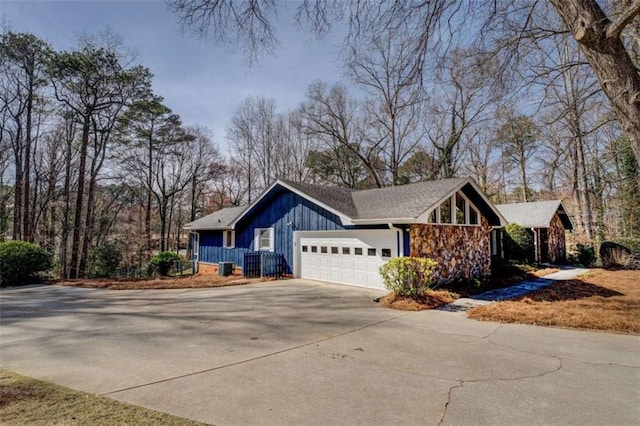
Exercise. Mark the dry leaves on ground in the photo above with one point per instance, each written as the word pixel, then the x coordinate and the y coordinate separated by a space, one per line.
pixel 600 300
pixel 191 281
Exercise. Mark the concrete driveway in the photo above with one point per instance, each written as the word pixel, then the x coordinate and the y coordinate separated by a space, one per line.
pixel 298 352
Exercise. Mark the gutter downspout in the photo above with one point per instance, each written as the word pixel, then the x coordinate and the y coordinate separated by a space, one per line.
pixel 535 245
pixel 194 262
pixel 400 238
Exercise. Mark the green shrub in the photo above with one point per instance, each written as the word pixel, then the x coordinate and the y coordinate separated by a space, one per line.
pixel 164 260
pixel 107 259
pixel 519 242
pixel 408 276
pixel 20 262
pixel 584 254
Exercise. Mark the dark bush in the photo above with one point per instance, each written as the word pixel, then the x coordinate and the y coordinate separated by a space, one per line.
pixel 20 262
pixel 585 255
pixel 164 260
pixel 519 243
pixel 107 258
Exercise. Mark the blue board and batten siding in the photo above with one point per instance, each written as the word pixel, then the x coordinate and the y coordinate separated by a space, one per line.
pixel 285 212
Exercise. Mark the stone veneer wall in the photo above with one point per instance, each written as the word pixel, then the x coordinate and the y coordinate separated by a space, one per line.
pixel 557 243
pixel 462 252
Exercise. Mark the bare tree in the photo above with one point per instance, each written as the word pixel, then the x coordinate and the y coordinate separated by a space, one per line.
pixel 333 121
pixel 385 69
pixel 597 33
pixel 23 60
pixel 519 136
pixel 463 100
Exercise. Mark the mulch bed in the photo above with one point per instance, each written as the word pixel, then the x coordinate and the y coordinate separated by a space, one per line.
pixel 158 283
pixel 433 300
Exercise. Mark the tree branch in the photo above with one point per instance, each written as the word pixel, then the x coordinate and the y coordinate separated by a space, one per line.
pixel 614 29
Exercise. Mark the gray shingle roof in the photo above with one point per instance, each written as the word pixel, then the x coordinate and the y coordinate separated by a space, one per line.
pixel 339 199
pixel 405 201
pixel 217 220
pixel 379 204
pixel 537 214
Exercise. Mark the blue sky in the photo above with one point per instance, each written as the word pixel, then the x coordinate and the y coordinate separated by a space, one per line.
pixel 199 80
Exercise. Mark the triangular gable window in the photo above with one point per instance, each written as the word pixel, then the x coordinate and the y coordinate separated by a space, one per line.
pixel 455 210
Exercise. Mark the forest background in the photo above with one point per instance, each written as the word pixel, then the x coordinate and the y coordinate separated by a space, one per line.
pixel 93 161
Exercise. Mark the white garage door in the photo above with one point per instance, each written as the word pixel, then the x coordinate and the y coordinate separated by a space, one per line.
pixel 346 257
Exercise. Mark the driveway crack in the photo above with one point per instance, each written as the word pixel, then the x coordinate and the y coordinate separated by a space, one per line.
pixel 461 383
pixel 446 404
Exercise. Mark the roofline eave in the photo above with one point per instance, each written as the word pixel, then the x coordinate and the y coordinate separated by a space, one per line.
pixel 385 221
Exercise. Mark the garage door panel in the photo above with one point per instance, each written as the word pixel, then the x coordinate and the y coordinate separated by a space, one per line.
pixel 351 259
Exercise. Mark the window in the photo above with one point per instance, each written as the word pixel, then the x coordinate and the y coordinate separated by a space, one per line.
pixel 323 249
pixel 346 250
pixel 263 239
pixel 314 249
pixel 229 238
pixel 357 251
pixel 334 250
pixel 445 211
pixel 386 252
pixel 473 216
pixel 455 210
pixel 433 216
pixel 461 209
pixel 305 249
pixel 371 252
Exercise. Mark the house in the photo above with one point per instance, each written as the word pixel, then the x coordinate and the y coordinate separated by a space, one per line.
pixel 547 221
pixel 344 235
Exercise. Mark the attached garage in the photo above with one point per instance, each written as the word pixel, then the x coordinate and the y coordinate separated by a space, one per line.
pixel 345 257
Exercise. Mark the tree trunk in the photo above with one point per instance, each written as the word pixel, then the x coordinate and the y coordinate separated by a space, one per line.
pixel 147 215
pixel 27 233
pixel 163 223
pixel 88 228
pixel 77 220
pixel 607 56
pixel 17 200
pixel 66 195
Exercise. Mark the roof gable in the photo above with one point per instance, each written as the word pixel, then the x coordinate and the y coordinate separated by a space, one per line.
pixel 536 214
pixel 334 200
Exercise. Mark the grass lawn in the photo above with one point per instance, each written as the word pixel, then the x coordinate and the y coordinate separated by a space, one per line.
pixel 189 281
pixel 599 300
pixel 28 401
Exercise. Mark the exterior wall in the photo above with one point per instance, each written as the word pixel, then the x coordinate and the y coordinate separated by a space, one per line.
pixel 211 250
pixel 285 212
pixel 557 243
pixel 462 252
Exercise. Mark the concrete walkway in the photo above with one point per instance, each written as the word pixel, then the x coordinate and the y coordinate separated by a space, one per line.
pixel 465 303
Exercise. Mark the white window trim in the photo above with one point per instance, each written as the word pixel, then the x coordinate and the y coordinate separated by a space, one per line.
pixel 225 242
pixel 256 239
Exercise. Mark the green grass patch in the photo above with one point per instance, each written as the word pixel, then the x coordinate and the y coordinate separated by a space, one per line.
pixel 27 401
